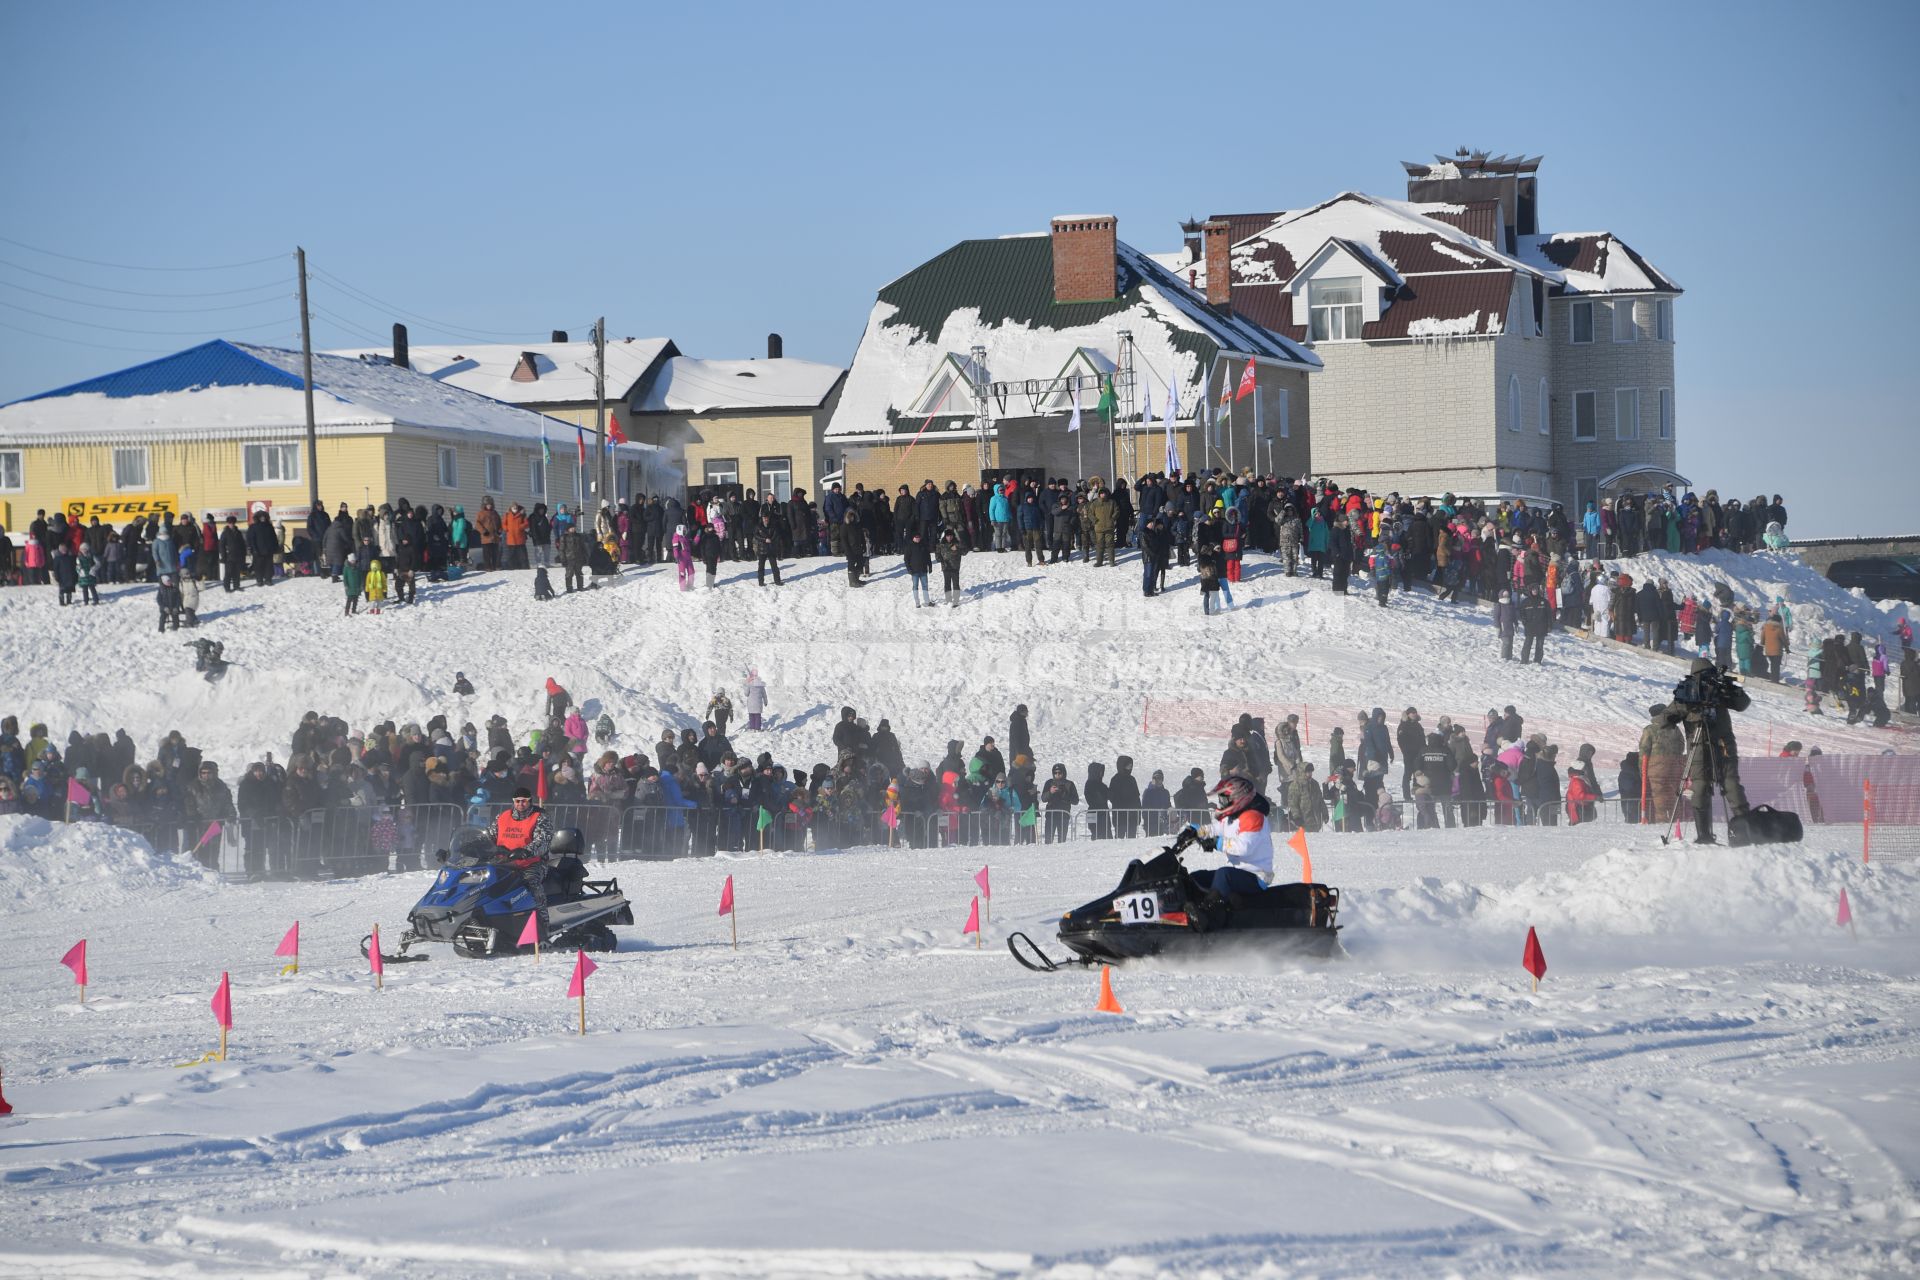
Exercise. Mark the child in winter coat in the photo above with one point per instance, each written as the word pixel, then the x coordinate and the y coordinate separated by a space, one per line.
pixel 1209 565
pixel 86 573
pixel 1743 643
pixel 683 557
pixel 189 600
pixel 1506 618
pixel 168 597
pixel 376 585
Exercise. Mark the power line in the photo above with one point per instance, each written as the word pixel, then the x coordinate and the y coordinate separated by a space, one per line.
pixel 128 266
pixel 156 333
pixel 152 311
pixel 368 299
pixel 100 346
pixel 141 293
pixel 348 325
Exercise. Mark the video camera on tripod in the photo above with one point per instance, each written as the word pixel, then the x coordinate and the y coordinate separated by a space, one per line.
pixel 1710 689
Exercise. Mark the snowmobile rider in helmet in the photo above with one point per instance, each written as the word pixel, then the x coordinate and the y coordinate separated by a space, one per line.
pixel 1241 830
pixel 1703 705
pixel 524 829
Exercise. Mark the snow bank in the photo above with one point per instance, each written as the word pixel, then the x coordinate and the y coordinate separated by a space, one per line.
pixel 1820 607
pixel 55 865
pixel 1714 891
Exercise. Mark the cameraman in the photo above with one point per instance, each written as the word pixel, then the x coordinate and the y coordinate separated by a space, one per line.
pixel 1703 704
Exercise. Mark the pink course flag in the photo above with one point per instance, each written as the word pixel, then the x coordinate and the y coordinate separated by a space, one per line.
pixel 973 919
pixel 891 816
pixel 78 794
pixel 289 945
pixel 222 1003
pixel 980 878
pixel 76 960
pixel 1846 909
pixel 376 964
pixel 726 898
pixel 583 968
pixel 530 934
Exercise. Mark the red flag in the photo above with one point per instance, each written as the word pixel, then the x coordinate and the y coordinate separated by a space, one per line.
pixel 375 963
pixel 1846 909
pixel 980 878
pixel 530 932
pixel 1247 385
pixel 580 438
pixel 540 783
pixel 726 897
pixel 614 434
pixel 582 969
pixel 76 960
pixel 289 945
pixel 222 1003
pixel 973 918
pixel 1533 959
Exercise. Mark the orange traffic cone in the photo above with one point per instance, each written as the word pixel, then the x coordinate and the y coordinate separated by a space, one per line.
pixel 6 1108
pixel 1107 1003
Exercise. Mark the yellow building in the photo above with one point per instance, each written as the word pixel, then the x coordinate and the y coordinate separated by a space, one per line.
pixel 221 429
pixel 756 423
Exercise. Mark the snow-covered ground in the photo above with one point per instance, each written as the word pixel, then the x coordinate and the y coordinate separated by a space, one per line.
pixel 1714 1079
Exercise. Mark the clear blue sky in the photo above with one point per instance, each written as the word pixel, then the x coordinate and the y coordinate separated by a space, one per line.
pixel 713 171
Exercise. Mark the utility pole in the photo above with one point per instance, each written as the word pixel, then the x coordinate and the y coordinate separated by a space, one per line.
pixel 306 356
pixel 600 414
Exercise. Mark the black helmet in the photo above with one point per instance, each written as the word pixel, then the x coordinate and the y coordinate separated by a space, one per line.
pixel 566 843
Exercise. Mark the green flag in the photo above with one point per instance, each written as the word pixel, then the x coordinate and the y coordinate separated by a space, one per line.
pixel 1030 816
pixel 546 450
pixel 765 820
pixel 1108 403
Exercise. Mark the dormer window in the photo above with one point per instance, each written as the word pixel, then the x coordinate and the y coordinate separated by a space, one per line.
pixel 1333 309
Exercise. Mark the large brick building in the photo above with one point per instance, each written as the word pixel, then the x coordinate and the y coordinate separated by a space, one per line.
pixel 1465 349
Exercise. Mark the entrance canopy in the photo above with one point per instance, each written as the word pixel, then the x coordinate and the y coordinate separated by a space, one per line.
pixel 1651 476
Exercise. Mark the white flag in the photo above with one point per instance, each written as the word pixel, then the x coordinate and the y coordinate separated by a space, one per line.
pixel 1073 423
pixel 1146 400
pixel 1173 411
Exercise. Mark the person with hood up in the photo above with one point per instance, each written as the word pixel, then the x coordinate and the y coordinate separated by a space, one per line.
pixel 1058 796
pixel 1123 794
pixel 919 563
pixel 1155 803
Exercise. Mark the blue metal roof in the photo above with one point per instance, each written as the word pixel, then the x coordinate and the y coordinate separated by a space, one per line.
pixel 211 364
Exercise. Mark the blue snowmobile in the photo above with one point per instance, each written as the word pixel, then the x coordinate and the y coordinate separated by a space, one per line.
pixel 479 901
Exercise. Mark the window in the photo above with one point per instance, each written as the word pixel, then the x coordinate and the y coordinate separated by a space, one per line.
pixel 130 468
pixel 537 478
pixel 1544 410
pixel 1624 330
pixel 449 468
pixel 1663 319
pixel 1286 415
pixel 1513 402
pixel 1581 315
pixel 776 477
pixel 1626 414
pixel 1666 413
pixel 496 473
pixel 1585 491
pixel 12 471
pixel 1585 414
pixel 270 463
pixel 722 470
pixel 1333 309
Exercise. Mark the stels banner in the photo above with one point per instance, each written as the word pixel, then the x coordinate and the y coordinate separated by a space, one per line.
pixel 121 507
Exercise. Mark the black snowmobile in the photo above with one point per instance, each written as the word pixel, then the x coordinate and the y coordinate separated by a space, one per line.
pixel 1159 909
pixel 480 901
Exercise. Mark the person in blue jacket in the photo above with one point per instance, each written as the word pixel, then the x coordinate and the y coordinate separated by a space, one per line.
pixel 1033 525
pixel 1000 513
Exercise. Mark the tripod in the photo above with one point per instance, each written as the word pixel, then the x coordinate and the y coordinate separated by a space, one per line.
pixel 1702 804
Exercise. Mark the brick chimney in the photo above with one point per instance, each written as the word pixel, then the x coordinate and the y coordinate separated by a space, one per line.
pixel 1219 263
pixel 402 359
pixel 1083 258
pixel 527 368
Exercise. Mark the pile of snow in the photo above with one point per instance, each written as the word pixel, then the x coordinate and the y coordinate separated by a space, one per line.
pixel 1772 891
pixel 46 865
pixel 1820 606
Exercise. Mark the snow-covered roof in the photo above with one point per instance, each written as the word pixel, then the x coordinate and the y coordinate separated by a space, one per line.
pixel 562 372
pixel 1594 262
pixel 229 390
pixel 687 385
pixel 998 294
